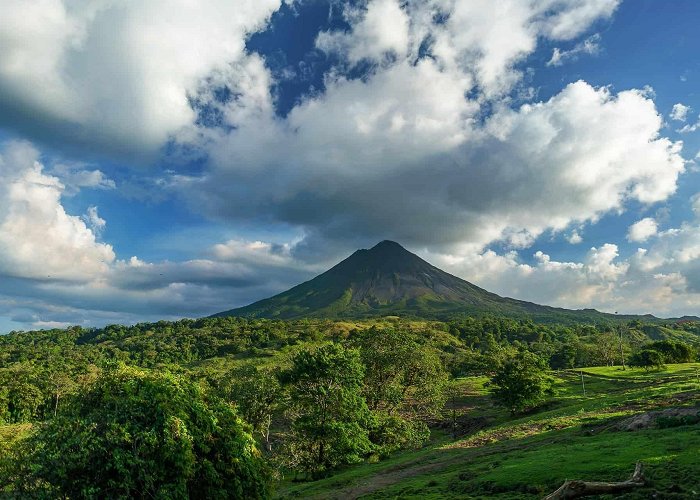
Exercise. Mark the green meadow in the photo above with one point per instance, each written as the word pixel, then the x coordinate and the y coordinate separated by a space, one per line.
pixel 571 436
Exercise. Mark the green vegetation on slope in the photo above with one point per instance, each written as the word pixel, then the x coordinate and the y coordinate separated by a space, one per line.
pixel 389 280
pixel 574 436
pixel 321 395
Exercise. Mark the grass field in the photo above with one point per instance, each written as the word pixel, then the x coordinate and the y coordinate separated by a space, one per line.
pixel 571 437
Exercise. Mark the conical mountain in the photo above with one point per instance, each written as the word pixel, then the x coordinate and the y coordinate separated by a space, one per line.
pixel 389 280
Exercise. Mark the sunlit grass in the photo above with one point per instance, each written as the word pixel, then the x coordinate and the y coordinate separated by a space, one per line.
pixel 529 455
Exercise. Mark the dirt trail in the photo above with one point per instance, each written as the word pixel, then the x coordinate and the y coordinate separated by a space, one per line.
pixel 431 463
pixel 388 477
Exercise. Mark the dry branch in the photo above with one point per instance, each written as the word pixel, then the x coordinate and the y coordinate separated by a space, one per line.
pixel 577 489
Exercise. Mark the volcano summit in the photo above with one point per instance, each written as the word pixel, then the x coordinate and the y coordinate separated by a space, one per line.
pixel 389 280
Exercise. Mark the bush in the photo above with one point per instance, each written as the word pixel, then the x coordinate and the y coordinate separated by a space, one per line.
pixel 521 383
pixel 673 351
pixel 390 433
pixel 649 359
pixel 140 434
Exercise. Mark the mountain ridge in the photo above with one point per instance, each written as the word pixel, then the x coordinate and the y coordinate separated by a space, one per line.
pixel 388 280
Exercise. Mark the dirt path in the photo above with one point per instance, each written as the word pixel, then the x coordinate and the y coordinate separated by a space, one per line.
pixel 431 463
pixel 388 478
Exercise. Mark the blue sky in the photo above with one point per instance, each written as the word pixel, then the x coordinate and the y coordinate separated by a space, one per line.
pixel 160 162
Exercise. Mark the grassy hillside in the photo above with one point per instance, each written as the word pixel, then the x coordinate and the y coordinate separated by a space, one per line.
pixel 46 375
pixel 573 437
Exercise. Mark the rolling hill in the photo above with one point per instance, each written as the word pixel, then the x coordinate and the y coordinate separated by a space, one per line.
pixel 389 280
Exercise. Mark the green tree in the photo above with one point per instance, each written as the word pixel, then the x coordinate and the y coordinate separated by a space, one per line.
pixel 673 351
pixel 145 435
pixel 330 416
pixel 257 395
pixel 522 382
pixel 649 359
pixel 606 348
pixel 404 386
pixel 21 398
pixel 402 375
pixel 565 357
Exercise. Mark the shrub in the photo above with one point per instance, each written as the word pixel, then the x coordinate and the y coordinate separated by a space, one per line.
pixel 649 359
pixel 521 383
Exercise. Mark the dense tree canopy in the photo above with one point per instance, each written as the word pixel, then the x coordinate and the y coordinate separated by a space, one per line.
pixel 181 403
pixel 146 435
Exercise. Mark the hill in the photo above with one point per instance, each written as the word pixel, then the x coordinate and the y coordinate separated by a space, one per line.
pixel 389 280
pixel 624 417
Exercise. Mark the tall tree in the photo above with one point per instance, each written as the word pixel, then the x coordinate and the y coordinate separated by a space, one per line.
pixel 257 395
pixel 330 414
pixel 403 375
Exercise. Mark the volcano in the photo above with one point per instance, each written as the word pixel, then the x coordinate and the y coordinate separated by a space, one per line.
pixel 388 280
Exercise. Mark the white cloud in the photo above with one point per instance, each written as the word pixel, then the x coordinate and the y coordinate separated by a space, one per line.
pixel 642 230
pixel 695 204
pixel 663 279
pixel 54 271
pixel 480 40
pixel 399 153
pixel 75 176
pixel 574 238
pixel 116 76
pixel 590 283
pixel 489 38
pixel 601 280
pixel 379 30
pixel 403 153
pixel 94 221
pixel 38 239
pixel 135 290
pixel 689 127
pixel 590 46
pixel 679 112
pixel 400 156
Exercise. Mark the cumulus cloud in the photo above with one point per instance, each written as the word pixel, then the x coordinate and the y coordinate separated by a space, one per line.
pixel 388 158
pixel 380 30
pixel 574 238
pixel 481 40
pixel 695 204
pixel 75 176
pixel 601 280
pixel 426 147
pixel 590 46
pixel 642 230
pixel 231 274
pixel 55 271
pixel 115 76
pixel 38 239
pixel 679 112
pixel 402 153
pixel 663 278
pixel 94 221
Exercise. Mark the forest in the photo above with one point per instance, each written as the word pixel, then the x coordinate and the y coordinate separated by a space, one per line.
pixel 232 407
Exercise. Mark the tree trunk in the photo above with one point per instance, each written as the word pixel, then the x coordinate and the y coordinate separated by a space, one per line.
pixel 577 489
pixel 321 456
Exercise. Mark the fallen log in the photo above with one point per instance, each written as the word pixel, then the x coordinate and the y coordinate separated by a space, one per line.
pixel 578 489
